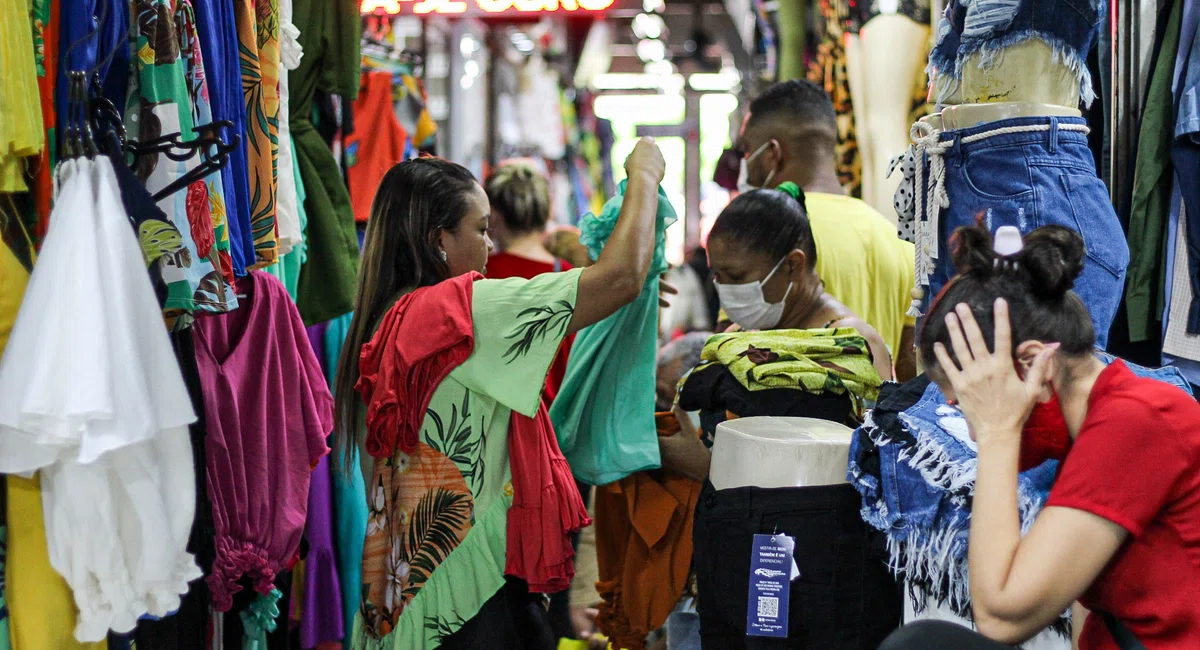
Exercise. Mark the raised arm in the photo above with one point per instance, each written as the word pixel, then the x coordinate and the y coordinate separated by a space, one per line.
pixel 616 279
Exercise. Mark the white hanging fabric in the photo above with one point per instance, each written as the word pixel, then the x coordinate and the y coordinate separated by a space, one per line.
pixel 93 397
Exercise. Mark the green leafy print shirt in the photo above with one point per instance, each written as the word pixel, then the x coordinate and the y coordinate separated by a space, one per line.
pixel 436 535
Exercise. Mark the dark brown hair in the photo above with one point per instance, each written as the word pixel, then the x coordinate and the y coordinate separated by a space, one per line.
pixel 769 222
pixel 416 201
pixel 1036 282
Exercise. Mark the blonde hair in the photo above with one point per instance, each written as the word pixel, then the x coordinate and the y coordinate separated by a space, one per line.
pixel 520 196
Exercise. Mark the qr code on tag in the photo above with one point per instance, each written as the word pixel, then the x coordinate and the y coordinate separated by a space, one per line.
pixel 768 607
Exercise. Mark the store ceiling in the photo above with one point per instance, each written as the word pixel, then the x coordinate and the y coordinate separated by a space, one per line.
pixel 700 36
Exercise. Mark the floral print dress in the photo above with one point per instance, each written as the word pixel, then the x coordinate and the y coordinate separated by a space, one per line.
pixel 436 535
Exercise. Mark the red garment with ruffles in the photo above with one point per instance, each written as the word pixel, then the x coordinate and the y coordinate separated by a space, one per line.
pixel 546 506
pixel 422 338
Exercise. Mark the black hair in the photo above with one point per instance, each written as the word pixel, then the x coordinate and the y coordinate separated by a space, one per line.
pixel 416 201
pixel 803 104
pixel 770 222
pixel 520 196
pixel 1036 282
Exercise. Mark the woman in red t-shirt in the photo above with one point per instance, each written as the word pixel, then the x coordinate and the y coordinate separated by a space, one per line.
pixel 520 200
pixel 1120 533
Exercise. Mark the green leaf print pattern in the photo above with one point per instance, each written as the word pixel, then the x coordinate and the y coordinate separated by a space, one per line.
pixel 458 442
pixel 535 324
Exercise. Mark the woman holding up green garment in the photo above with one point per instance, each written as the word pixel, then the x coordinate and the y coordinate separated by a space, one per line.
pixel 462 468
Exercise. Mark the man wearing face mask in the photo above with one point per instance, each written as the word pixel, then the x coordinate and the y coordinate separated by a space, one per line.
pixel 789 136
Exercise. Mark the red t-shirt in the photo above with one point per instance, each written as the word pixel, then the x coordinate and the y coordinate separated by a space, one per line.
pixel 1136 463
pixel 507 265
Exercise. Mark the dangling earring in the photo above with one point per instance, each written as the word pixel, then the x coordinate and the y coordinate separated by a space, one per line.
pixel 444 256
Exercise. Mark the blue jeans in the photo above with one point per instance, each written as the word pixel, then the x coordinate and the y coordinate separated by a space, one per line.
pixel 1070 27
pixel 1029 180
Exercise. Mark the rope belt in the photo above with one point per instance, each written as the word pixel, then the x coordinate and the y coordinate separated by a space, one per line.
pixel 927 141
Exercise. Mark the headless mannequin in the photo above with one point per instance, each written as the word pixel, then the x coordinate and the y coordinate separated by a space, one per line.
pixel 885 62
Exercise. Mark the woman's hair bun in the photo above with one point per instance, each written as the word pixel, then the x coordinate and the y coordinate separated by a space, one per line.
pixel 1051 258
pixel 971 250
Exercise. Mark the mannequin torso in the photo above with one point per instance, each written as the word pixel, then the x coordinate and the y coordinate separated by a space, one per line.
pixel 1027 72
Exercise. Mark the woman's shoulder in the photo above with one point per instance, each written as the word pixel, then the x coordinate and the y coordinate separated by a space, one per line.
pixel 1121 395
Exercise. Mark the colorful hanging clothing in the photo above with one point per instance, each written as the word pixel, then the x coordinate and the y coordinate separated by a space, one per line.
pixel 21 133
pixel 265 398
pixel 440 534
pixel 45 47
pixel 380 144
pixel 643 548
pixel 287 204
pixel 16 261
pixel 101 440
pixel 829 70
pixel 159 103
pixel 603 415
pixel 349 502
pixel 836 361
pixel 287 269
pixel 320 600
pixel 197 81
pixel 258 46
pixel 219 41
pixel 411 107
pixel 329 34
pixel 45 614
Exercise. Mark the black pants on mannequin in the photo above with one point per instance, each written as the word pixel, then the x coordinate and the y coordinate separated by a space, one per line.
pixel 939 635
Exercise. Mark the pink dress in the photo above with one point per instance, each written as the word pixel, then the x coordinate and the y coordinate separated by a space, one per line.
pixel 268 411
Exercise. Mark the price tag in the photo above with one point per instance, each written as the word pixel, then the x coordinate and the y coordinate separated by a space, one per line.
pixel 771 573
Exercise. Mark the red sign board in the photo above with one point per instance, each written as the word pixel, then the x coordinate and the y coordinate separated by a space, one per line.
pixel 483 8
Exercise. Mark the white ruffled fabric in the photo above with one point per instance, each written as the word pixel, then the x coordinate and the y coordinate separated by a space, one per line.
pixel 94 399
pixel 287 210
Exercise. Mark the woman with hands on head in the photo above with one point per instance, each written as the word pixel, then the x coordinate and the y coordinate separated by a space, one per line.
pixel 1120 533
pixel 463 470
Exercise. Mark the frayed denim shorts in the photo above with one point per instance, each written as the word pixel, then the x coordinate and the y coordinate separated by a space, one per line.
pixel 1028 172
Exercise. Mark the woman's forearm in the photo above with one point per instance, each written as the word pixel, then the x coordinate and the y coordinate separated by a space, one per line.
pixel 630 248
pixel 995 528
pixel 617 278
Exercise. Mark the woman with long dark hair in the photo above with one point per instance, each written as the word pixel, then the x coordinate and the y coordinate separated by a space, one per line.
pixel 1120 533
pixel 471 502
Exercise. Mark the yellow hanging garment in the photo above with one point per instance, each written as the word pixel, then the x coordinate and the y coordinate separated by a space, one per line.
pixel 20 104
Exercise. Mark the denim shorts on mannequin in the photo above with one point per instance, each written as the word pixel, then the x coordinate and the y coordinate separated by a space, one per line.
pixel 968 27
pixel 1029 180
pixel 844 598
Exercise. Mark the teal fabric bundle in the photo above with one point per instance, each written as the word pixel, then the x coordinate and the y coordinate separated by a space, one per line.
pixel 604 412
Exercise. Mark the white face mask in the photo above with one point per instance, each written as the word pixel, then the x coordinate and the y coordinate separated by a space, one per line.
pixel 746 305
pixel 744 171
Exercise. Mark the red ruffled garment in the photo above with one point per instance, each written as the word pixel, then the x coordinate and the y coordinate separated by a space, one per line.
pixel 546 506
pixel 422 338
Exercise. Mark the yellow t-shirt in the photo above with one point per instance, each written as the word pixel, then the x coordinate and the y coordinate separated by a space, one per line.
pixel 863 262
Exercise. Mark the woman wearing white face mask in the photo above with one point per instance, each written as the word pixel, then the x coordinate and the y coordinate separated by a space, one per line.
pixel 764 265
